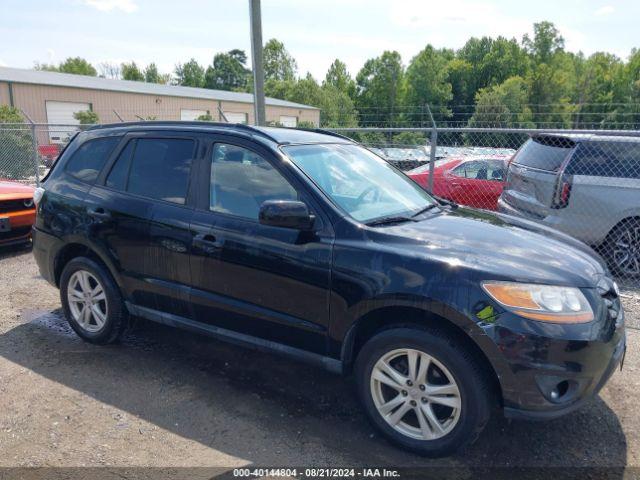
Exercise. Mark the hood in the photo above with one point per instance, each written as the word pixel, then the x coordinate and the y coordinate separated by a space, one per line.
pixel 498 247
pixel 13 190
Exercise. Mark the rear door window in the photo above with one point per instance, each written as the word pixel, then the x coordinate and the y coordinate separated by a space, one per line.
pixel 606 159
pixel 154 167
pixel 544 153
pixel 87 162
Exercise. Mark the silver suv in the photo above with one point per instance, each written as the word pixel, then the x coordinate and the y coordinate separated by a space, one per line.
pixel 587 186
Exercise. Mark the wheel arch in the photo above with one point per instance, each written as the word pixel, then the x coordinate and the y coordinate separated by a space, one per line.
pixel 76 249
pixel 388 317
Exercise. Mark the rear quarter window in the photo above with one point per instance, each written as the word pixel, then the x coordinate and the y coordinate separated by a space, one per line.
pixel 86 163
pixel 606 159
pixel 544 153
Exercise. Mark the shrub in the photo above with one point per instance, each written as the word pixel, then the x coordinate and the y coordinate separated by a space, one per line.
pixel 16 146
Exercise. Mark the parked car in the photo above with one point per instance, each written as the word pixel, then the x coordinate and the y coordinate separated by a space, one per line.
pixel 307 244
pixel 587 186
pixel 48 153
pixel 472 181
pixel 17 212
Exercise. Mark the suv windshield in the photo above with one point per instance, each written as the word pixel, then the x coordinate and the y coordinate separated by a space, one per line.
pixel 358 181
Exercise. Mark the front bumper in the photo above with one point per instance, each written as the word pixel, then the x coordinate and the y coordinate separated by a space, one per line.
pixel 546 370
pixel 20 223
pixel 555 411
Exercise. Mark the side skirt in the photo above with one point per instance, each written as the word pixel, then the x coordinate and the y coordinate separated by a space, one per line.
pixel 330 364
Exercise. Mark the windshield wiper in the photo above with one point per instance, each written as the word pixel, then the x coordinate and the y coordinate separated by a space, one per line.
pixel 444 201
pixel 388 221
pixel 424 210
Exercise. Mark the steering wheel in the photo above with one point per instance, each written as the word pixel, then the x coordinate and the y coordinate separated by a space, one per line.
pixel 367 191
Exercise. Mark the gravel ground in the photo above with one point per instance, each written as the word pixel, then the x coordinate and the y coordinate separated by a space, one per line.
pixel 167 398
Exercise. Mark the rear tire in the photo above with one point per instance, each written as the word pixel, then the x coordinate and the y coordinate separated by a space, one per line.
pixel 435 399
pixel 622 249
pixel 92 302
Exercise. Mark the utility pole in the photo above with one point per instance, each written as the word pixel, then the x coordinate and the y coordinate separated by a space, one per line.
pixel 256 59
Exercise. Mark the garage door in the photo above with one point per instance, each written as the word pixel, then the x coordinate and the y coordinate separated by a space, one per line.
pixel 61 114
pixel 191 115
pixel 234 117
pixel 287 121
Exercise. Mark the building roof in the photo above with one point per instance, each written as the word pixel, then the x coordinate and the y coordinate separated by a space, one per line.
pixel 41 77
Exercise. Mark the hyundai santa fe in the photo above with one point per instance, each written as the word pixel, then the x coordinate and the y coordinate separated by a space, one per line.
pixel 306 243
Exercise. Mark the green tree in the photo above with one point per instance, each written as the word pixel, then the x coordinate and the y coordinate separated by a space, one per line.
pixel 426 81
pixel 336 107
pixel 379 90
pixel 506 58
pixel 86 117
pixel 190 74
pixel 130 71
pixel 502 106
pixel 228 71
pixel 546 42
pixel 205 118
pixel 151 74
pixel 597 90
pixel 278 62
pixel 74 65
pixel 338 76
pixel 551 91
pixel 16 154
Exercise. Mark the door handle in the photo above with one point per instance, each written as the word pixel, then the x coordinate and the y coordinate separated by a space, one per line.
pixel 99 212
pixel 207 242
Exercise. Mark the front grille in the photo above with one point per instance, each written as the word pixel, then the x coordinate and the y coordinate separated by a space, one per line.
pixel 7 206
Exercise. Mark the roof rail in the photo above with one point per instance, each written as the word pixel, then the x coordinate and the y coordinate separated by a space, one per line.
pixel 328 132
pixel 195 123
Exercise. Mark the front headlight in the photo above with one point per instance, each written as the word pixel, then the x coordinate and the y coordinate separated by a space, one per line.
pixel 545 303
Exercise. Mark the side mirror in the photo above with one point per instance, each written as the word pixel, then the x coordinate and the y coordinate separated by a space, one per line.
pixel 286 214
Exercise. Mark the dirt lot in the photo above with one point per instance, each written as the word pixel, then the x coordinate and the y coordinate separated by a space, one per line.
pixel 167 398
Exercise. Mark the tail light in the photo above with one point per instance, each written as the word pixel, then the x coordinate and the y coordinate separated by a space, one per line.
pixel 563 193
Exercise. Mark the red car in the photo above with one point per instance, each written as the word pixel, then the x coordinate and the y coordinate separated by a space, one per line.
pixel 472 181
pixel 17 212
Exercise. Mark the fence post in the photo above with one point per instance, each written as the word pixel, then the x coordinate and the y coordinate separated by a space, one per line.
pixel 432 153
pixel 34 143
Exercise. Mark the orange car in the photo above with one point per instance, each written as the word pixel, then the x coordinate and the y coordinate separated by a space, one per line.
pixel 17 212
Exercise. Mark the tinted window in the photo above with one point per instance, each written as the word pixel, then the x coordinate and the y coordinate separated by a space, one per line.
pixel 606 159
pixel 160 169
pixel 481 170
pixel 241 180
pixel 88 160
pixel 545 153
pixel 118 176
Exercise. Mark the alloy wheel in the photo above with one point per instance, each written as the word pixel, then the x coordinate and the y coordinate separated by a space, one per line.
pixel 415 394
pixel 626 250
pixel 87 301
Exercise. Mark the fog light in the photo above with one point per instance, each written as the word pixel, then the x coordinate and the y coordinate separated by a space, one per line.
pixel 558 390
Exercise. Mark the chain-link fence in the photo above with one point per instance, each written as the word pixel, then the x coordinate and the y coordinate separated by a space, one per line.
pixel 27 151
pixel 580 182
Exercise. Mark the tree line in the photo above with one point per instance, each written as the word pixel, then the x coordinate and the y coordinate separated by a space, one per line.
pixel 532 82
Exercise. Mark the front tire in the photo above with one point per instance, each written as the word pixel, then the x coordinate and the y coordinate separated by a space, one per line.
pixel 423 390
pixel 92 302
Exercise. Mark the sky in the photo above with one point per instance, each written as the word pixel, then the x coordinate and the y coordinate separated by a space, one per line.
pixel 315 32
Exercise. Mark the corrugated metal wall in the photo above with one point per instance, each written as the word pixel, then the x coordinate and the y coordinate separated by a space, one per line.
pixel 130 106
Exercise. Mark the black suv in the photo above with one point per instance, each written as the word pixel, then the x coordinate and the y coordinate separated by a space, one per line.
pixel 306 243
